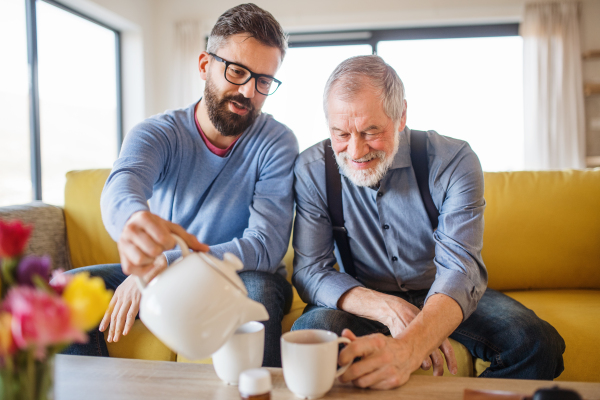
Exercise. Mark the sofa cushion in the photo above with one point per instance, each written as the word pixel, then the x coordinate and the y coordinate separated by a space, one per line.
pixel 542 227
pixel 88 239
pixel 576 316
pixel 48 236
pixel 140 343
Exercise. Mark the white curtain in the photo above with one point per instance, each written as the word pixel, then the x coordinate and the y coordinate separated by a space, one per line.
pixel 188 45
pixel 553 87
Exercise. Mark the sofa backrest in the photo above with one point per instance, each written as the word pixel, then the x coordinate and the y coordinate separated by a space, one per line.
pixel 542 229
pixel 89 241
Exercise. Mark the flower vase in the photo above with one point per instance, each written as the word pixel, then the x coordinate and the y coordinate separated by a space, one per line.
pixel 23 377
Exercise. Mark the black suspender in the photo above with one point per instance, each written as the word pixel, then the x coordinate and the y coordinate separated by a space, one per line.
pixel 418 156
pixel 333 181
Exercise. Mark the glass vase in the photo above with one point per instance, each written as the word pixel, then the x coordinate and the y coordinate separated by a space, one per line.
pixel 23 377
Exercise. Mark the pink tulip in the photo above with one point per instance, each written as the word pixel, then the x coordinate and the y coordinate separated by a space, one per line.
pixel 39 319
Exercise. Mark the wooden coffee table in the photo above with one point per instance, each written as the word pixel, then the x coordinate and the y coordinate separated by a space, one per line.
pixel 79 377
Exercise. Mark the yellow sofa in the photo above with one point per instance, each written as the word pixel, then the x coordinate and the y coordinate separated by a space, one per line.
pixel 541 247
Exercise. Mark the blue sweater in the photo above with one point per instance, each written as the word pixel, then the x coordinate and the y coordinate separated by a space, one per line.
pixel 242 203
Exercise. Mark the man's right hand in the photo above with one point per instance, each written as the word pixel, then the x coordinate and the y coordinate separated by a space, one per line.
pixel 145 237
pixel 396 314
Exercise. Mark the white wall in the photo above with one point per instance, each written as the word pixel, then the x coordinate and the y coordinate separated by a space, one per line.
pixel 149 33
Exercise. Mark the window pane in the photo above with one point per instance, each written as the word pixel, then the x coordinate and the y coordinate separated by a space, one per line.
pixel 78 114
pixel 15 169
pixel 298 102
pixel 471 89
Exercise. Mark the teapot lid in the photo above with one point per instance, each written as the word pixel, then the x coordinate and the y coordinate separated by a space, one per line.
pixel 228 268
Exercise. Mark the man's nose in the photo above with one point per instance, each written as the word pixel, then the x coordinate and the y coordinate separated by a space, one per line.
pixel 248 89
pixel 357 148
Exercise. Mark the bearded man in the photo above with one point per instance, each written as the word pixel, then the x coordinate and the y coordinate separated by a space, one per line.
pixel 412 274
pixel 218 173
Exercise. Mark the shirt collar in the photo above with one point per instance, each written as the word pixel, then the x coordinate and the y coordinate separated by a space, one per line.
pixel 402 158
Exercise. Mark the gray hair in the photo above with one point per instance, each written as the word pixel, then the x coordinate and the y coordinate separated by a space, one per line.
pixel 251 19
pixel 353 74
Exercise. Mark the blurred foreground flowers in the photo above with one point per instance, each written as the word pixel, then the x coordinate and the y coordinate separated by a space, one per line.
pixel 39 318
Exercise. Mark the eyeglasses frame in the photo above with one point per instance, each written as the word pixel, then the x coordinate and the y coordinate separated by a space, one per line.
pixel 252 75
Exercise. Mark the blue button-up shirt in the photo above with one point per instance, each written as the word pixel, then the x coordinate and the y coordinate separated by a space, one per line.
pixel 391 239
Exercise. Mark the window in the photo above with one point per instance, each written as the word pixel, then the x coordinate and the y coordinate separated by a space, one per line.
pixel 75 85
pixel 15 172
pixel 464 82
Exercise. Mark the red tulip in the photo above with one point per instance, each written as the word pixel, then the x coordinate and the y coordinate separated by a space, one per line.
pixel 13 238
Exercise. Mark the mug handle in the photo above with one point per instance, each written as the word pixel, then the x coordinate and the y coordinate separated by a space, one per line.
pixel 343 369
pixel 185 251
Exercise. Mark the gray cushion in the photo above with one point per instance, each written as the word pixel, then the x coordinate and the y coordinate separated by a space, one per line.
pixel 49 235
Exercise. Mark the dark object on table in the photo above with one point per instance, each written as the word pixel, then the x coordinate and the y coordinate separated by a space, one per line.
pixel 556 393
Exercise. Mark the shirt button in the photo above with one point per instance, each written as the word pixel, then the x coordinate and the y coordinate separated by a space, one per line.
pixel 379 194
pixel 386 226
pixel 403 286
pixel 394 258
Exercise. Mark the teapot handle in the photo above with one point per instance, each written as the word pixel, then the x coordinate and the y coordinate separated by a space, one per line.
pixel 185 251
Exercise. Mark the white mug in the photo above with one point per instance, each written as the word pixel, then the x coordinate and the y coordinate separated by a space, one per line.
pixel 309 360
pixel 244 350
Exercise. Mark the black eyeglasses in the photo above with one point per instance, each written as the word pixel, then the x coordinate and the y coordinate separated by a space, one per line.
pixel 240 75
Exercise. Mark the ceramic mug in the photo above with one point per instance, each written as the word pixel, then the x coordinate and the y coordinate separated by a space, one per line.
pixel 244 350
pixel 309 360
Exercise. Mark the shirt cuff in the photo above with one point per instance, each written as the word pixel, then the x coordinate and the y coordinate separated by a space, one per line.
pixel 172 256
pixel 459 287
pixel 333 287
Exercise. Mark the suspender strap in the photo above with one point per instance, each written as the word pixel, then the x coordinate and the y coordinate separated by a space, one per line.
pixel 420 162
pixel 336 211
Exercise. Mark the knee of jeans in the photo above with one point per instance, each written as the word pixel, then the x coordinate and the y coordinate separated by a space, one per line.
pixel 539 336
pixel 323 318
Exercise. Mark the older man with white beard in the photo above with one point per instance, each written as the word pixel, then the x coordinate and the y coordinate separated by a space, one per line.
pixel 411 204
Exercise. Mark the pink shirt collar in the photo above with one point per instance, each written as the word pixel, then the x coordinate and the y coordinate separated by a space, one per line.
pixel 213 149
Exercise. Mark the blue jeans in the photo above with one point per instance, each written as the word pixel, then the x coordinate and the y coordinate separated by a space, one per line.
pixel 272 290
pixel 518 344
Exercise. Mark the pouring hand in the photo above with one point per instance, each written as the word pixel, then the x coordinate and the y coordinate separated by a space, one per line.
pixel 145 237
pixel 125 304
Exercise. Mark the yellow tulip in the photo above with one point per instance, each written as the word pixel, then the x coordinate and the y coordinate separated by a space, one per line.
pixel 6 340
pixel 87 299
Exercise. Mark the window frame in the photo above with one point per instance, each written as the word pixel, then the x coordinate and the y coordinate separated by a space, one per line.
pixel 374 36
pixel 34 103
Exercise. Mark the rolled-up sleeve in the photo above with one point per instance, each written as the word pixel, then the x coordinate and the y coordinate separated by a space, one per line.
pixel 460 271
pixel 315 277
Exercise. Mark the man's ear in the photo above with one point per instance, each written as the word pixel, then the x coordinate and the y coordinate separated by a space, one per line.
pixel 203 60
pixel 403 118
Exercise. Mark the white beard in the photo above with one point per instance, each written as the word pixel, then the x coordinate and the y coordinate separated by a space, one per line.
pixel 372 176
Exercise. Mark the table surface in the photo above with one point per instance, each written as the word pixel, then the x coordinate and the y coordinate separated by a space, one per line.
pixel 79 377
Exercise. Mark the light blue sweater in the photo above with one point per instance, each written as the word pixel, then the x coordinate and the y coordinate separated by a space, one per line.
pixel 242 203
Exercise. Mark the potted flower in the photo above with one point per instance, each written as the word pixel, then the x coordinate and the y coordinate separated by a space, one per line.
pixel 39 316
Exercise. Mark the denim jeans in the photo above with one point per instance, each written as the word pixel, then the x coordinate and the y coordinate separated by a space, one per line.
pixel 517 342
pixel 272 290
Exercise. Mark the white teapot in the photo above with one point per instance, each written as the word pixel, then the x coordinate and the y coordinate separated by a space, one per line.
pixel 195 305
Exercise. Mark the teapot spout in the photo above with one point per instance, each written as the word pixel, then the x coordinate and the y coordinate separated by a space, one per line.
pixel 254 311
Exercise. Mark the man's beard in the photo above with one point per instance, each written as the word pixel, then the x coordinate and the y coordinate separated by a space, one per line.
pixel 225 121
pixel 372 176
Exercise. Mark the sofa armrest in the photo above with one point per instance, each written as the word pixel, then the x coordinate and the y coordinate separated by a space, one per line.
pixel 49 232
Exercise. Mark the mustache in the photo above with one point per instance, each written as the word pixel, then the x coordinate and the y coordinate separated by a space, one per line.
pixel 367 157
pixel 238 98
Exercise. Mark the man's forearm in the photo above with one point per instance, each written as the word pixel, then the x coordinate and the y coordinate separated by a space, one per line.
pixel 365 303
pixel 438 319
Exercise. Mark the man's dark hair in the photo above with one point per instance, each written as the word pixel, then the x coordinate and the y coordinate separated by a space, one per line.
pixel 252 20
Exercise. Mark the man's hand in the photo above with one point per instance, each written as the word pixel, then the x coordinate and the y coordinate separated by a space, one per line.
pixel 397 314
pixel 385 362
pixel 145 237
pixel 125 304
